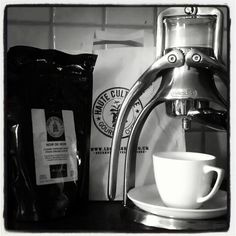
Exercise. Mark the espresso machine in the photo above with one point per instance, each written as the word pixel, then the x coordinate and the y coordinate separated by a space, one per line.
pixel 188 60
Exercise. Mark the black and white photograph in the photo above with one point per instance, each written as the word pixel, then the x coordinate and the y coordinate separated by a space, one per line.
pixel 118 118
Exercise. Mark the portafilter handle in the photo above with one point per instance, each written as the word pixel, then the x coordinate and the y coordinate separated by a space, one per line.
pixel 175 58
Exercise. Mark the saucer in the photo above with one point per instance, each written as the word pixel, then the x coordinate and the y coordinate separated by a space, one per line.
pixel 148 199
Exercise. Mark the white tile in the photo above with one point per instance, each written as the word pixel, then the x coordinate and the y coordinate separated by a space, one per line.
pixel 225 47
pixel 225 15
pixel 130 15
pixel 74 39
pixel 35 36
pixel 117 32
pixel 77 14
pixel 216 144
pixel 221 87
pixel 225 33
pixel 148 40
pixel 28 13
pixel 193 142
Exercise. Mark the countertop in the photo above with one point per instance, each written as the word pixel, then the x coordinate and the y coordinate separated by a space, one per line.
pixel 95 217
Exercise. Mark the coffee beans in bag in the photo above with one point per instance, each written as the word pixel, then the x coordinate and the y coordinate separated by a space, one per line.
pixel 48 107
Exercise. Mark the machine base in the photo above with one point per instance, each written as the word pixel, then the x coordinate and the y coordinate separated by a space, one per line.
pixel 139 216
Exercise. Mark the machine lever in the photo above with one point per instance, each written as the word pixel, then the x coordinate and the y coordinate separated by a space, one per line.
pixel 195 58
pixel 175 58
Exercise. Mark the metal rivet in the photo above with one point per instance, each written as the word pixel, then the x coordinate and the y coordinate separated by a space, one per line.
pixel 172 58
pixel 196 58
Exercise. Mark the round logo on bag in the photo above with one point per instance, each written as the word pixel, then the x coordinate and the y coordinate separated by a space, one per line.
pixel 106 109
pixel 55 127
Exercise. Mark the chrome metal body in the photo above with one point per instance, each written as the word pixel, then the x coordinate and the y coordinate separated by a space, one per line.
pixel 187 88
pixel 132 213
pixel 181 11
pixel 148 77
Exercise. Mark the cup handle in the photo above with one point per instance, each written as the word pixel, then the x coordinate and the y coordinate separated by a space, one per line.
pixel 220 176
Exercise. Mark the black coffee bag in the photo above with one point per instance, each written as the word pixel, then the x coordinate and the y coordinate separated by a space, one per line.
pixel 48 101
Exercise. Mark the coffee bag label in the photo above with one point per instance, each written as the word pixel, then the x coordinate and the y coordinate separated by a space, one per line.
pixel 55 149
pixel 106 109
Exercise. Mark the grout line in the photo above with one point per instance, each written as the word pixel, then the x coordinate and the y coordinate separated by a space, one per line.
pixel 157 13
pixel 155 10
pixel 31 23
pixel 129 26
pixel 54 10
pixel 203 140
pixel 198 130
pixel 51 31
pixel 74 24
pixel 104 22
pixel 104 18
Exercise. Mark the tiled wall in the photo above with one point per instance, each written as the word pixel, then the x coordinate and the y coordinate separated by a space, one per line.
pixel 71 29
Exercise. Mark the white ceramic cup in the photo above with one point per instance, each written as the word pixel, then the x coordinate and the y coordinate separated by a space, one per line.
pixel 184 179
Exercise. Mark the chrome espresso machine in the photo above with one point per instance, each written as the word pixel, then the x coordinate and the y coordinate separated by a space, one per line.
pixel 188 52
